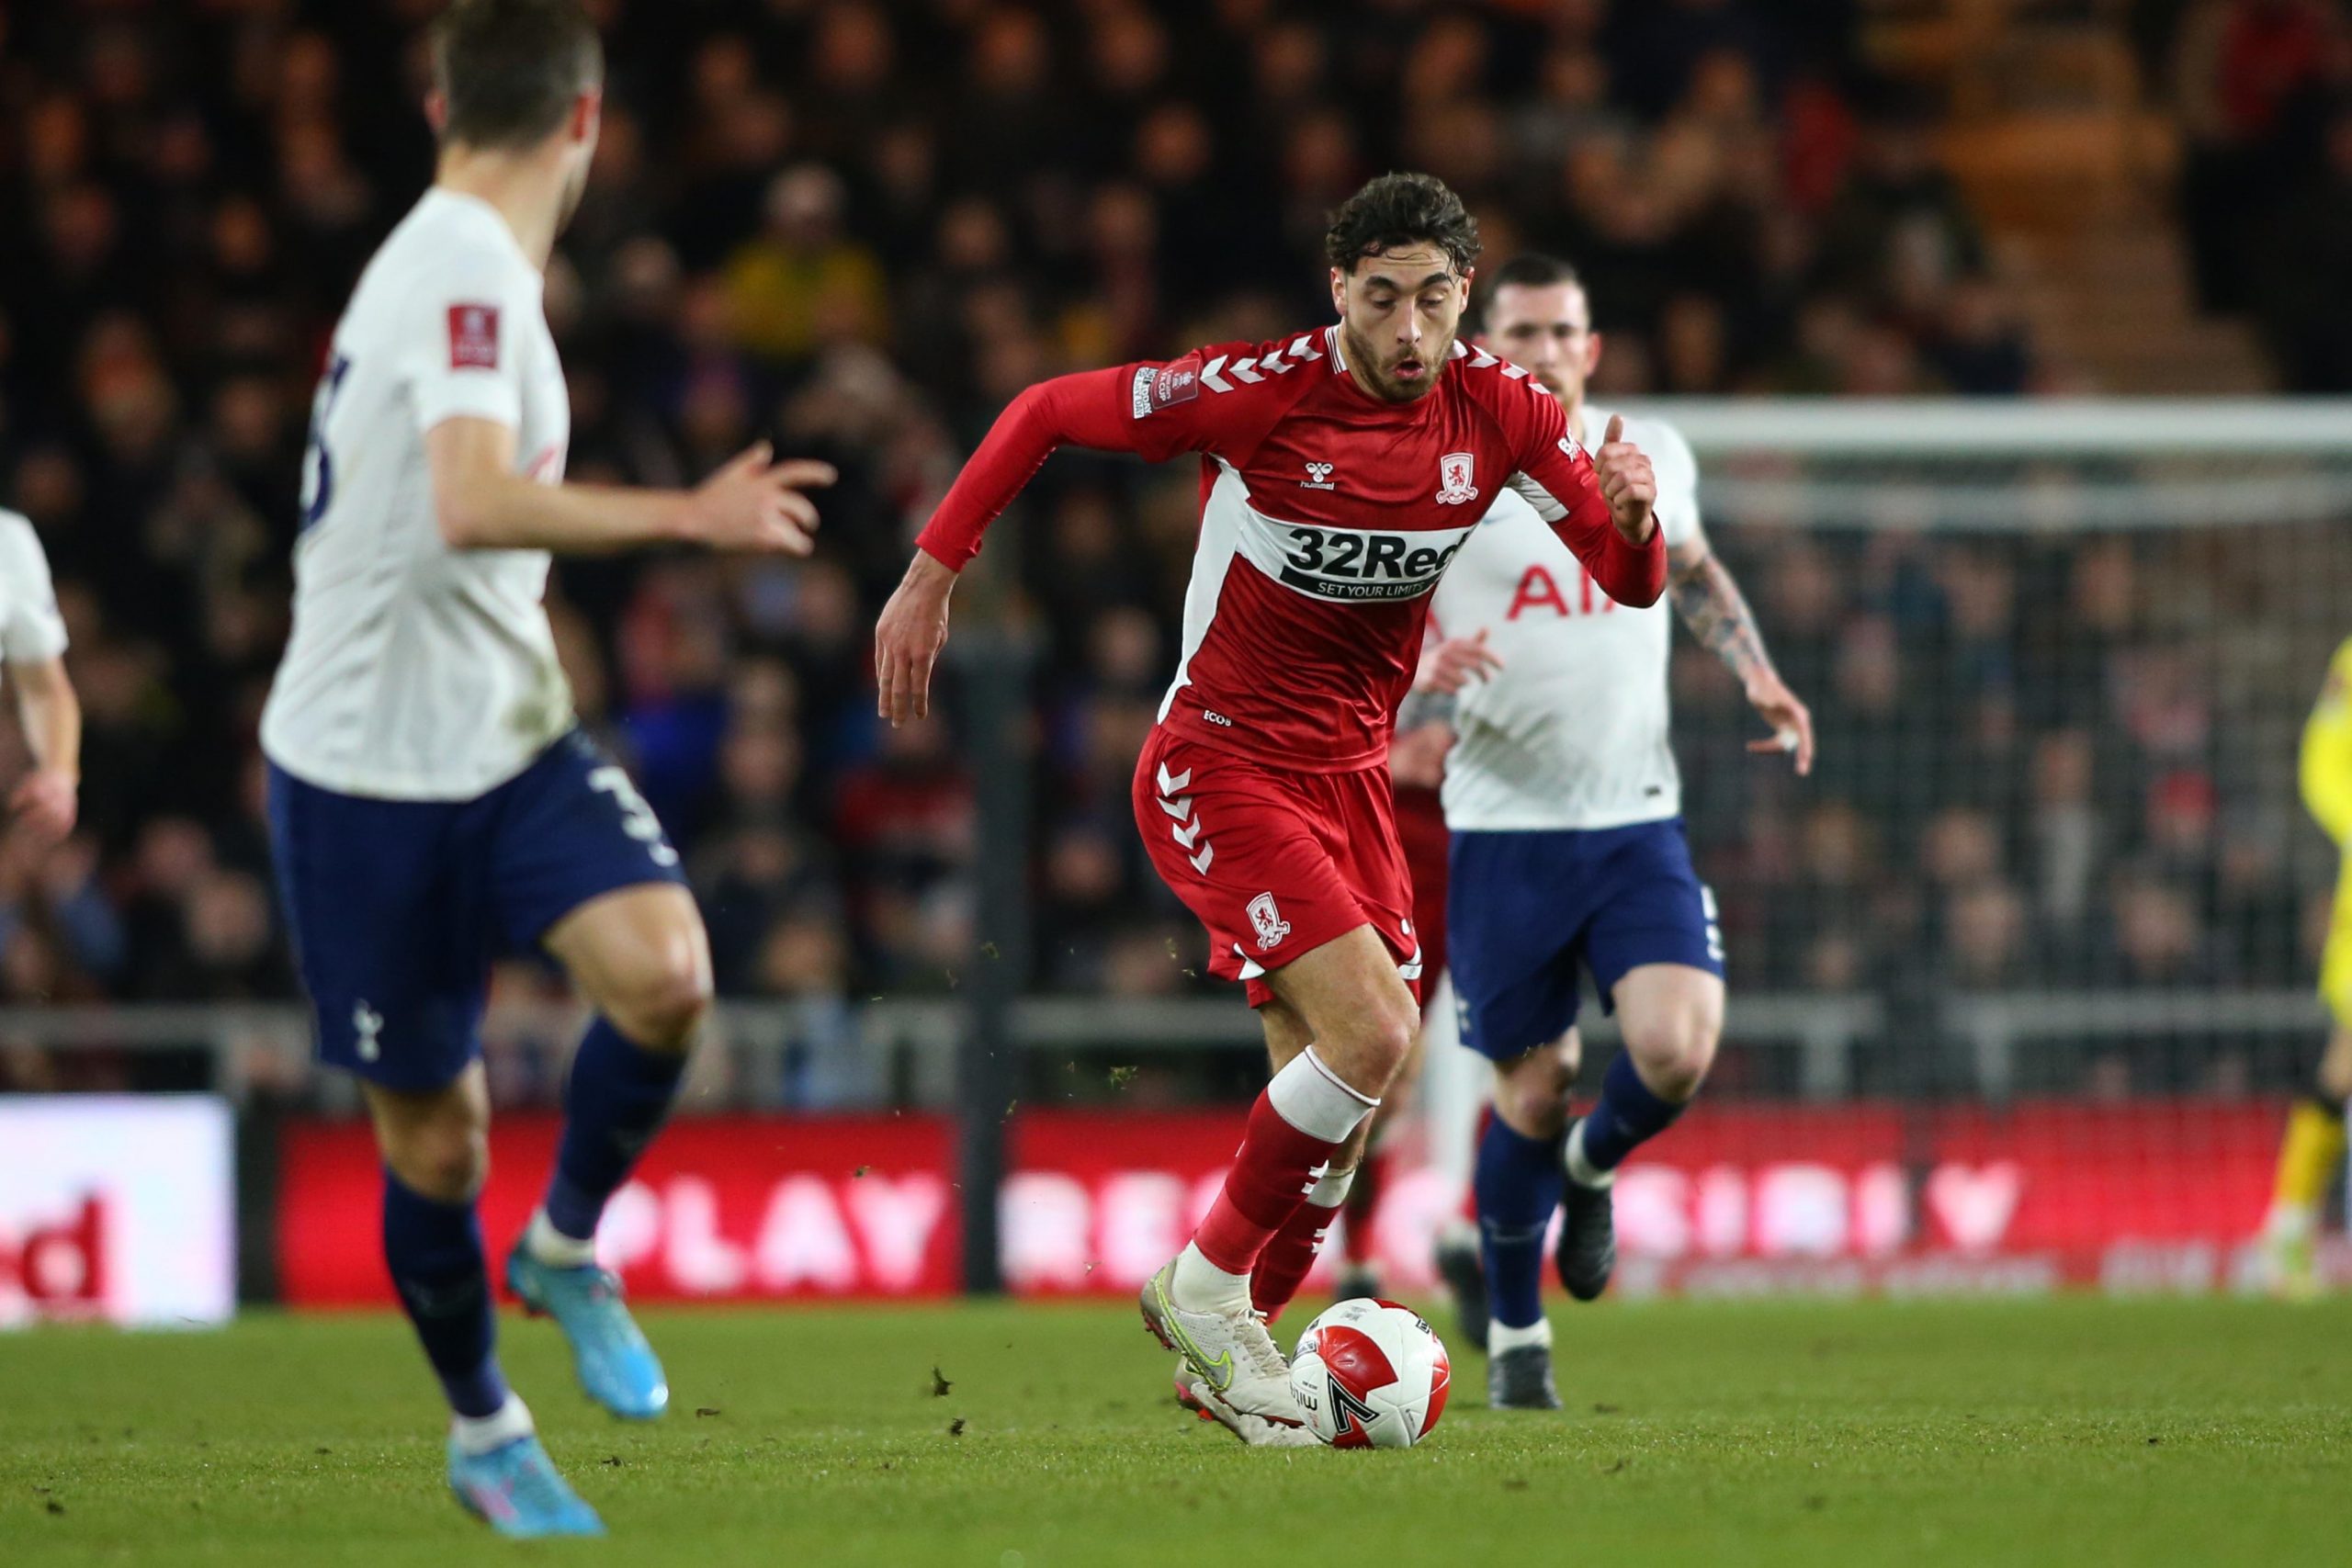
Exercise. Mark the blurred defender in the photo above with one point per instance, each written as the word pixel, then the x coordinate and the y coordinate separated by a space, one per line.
pixel 1342 469
pixel 33 641
pixel 432 802
pixel 2313 1147
pixel 1568 850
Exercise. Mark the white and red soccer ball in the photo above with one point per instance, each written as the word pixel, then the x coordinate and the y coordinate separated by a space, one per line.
pixel 1370 1375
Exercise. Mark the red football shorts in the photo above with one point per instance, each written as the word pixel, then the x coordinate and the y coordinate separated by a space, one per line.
pixel 1420 828
pixel 1274 863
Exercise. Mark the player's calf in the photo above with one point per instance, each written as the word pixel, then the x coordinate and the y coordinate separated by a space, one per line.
pixel 642 959
pixel 1672 1016
pixel 435 1151
pixel 1517 1184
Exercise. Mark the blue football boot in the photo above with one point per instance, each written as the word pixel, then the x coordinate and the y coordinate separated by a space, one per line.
pixel 516 1490
pixel 617 1367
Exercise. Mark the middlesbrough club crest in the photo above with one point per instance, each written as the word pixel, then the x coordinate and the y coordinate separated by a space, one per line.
pixel 1454 472
pixel 1268 922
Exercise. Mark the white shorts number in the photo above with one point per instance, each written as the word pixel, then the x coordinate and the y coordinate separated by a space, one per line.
pixel 636 818
pixel 1715 926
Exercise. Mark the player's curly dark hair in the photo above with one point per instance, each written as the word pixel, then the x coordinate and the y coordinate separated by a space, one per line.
pixel 1401 209
pixel 509 70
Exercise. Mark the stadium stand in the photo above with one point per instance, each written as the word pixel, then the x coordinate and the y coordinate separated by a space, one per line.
pixel 861 228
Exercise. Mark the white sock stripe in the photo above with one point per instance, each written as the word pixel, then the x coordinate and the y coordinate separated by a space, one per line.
pixel 1331 1191
pixel 1310 1096
pixel 1502 1336
pixel 1370 1102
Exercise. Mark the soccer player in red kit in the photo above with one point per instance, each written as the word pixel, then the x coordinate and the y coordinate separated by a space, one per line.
pixel 1341 469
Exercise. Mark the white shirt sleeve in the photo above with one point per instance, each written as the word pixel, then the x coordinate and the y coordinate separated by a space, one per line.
pixel 32 631
pixel 1678 481
pixel 462 336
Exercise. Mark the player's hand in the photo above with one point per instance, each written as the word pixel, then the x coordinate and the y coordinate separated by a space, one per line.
pixel 1791 720
pixel 908 638
pixel 1627 483
pixel 1417 757
pixel 754 503
pixel 1456 662
pixel 47 801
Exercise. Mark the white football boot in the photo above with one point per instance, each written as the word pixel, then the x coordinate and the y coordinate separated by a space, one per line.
pixel 1196 1395
pixel 1230 1351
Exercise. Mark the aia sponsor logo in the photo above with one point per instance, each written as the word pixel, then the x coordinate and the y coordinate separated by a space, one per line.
pixel 1268 922
pixel 473 337
pixel 1456 472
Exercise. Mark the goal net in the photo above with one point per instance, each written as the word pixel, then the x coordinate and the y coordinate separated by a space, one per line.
pixel 2022 978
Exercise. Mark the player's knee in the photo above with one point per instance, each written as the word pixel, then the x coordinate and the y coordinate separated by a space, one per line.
pixel 1390 1036
pixel 1532 1095
pixel 446 1158
pixel 1673 1052
pixel 663 1004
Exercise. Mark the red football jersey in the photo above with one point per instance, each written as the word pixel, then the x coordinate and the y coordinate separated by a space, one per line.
pixel 1327 518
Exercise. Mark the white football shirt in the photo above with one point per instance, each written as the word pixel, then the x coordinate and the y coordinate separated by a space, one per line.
pixel 1572 732
pixel 32 631
pixel 416 672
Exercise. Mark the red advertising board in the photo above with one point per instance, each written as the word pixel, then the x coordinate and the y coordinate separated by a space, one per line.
pixel 722 1208
pixel 1739 1197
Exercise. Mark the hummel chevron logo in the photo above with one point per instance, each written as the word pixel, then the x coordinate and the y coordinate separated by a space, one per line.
pixel 1242 371
pixel 1211 379
pixel 1305 350
pixel 1180 808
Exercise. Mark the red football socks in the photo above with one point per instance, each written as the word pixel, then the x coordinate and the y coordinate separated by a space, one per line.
pixel 1297 1124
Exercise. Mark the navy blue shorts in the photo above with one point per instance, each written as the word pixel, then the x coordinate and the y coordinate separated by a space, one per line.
pixel 398 907
pixel 1525 910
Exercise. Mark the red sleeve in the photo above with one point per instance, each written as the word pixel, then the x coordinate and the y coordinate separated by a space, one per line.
pixel 1556 477
pixel 1152 410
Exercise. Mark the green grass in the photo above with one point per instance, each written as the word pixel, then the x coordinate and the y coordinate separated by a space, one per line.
pixel 2074 1431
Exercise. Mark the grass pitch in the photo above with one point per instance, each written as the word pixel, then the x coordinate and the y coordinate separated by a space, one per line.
pixel 2073 1431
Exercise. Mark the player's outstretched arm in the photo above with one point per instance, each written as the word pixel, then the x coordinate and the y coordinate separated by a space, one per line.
pixel 753 503
pixel 47 798
pixel 1711 605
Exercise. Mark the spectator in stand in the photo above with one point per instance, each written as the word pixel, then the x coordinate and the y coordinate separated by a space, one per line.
pixel 857 226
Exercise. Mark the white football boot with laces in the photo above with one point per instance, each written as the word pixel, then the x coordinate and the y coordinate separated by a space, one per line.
pixel 1195 1395
pixel 1230 1353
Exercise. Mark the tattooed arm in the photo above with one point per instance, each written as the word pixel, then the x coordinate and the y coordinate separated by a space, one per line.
pixel 1710 605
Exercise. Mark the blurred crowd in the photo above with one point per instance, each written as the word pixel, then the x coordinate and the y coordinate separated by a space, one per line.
pixel 859 228
pixel 2263 91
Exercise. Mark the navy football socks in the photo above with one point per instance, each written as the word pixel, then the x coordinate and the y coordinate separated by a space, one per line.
pixel 1628 1116
pixel 1517 1184
pixel 613 1103
pixel 434 1253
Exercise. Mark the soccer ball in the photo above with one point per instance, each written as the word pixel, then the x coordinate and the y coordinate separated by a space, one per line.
pixel 1370 1375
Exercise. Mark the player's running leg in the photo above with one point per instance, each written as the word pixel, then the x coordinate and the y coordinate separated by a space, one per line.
pixel 1518 1181
pixel 1290 1253
pixel 2309 1156
pixel 435 1151
pixel 1361 1017
pixel 642 959
pixel 1673 1015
